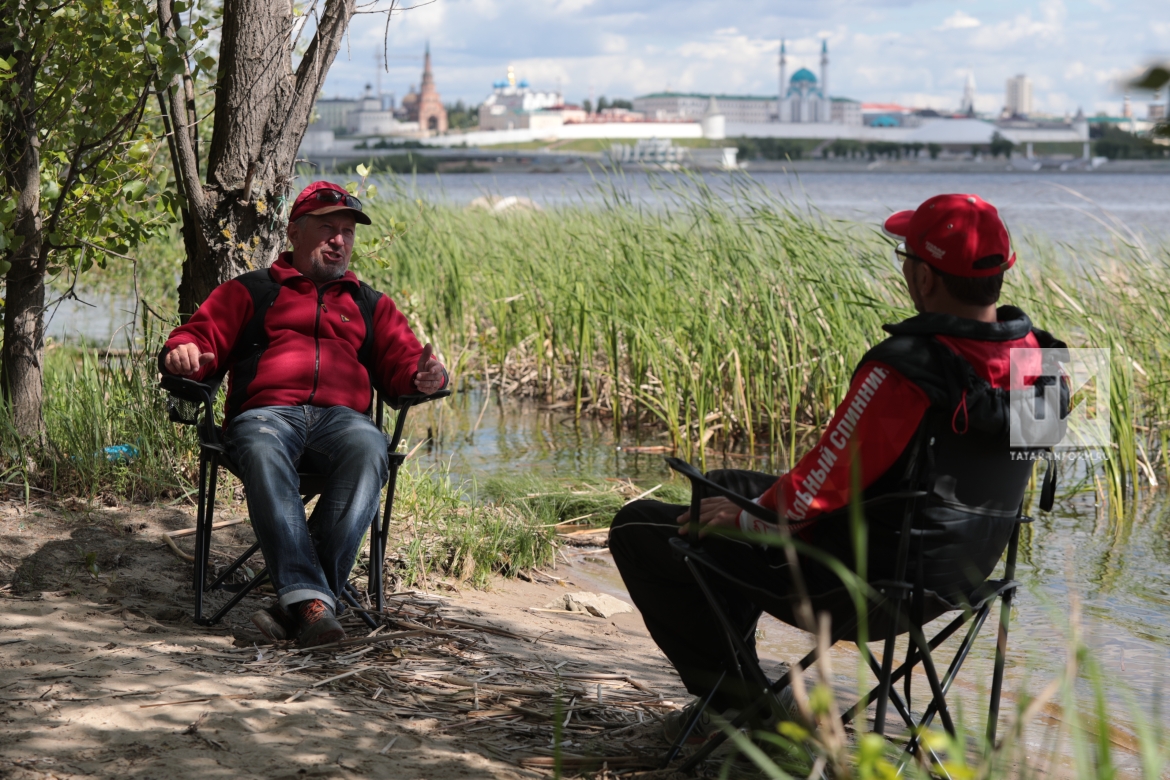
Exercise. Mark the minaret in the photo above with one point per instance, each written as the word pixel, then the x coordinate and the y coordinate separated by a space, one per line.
pixel 825 69
pixel 783 82
pixel 968 105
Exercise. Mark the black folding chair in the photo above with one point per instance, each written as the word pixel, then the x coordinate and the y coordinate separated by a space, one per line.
pixel 192 403
pixel 899 607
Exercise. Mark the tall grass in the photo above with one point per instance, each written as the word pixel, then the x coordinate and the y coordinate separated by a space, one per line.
pixel 732 320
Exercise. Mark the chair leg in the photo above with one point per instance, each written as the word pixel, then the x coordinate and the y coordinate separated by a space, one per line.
pixel 1002 637
pixel 681 739
pixel 236 564
pixel 383 534
pixel 952 672
pixel 201 547
pixel 936 689
pixel 350 594
pixel 762 702
pixel 885 680
pixel 236 599
pixel 738 646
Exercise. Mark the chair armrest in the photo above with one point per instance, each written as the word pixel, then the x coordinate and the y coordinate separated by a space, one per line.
pixel 398 403
pixel 746 504
pixel 188 389
pixel 767 515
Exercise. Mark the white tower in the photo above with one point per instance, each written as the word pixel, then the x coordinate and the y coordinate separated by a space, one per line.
pixel 825 69
pixel 968 105
pixel 783 83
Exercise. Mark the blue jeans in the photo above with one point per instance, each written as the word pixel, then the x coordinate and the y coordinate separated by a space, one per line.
pixel 309 559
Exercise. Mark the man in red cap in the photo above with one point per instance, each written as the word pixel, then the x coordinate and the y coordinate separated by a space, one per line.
pixel 302 342
pixel 940 380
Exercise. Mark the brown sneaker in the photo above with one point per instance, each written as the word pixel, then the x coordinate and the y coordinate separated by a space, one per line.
pixel 318 624
pixel 274 623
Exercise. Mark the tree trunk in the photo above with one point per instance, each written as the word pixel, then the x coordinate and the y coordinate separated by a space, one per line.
pixel 21 360
pixel 262 108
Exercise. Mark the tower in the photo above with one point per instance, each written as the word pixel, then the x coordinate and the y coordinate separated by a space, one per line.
pixel 967 107
pixel 783 83
pixel 825 69
pixel 432 116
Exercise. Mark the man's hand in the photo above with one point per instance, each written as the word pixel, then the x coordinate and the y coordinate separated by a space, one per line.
pixel 431 374
pixel 718 511
pixel 186 359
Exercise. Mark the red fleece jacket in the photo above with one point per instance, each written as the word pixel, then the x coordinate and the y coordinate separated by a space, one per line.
pixel 314 334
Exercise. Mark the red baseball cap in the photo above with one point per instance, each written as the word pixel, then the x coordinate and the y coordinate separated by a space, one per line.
pixel 323 197
pixel 961 235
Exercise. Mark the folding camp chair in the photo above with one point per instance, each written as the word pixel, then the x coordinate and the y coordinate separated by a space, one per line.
pixel 900 607
pixel 192 403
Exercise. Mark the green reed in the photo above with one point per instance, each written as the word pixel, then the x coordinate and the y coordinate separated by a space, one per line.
pixel 733 320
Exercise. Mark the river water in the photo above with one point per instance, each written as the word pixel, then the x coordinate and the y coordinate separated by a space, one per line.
pixel 1117 571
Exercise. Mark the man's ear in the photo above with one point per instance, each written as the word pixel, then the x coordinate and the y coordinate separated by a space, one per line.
pixel 927 281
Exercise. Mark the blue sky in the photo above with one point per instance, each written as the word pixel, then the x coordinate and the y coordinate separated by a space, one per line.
pixel 915 52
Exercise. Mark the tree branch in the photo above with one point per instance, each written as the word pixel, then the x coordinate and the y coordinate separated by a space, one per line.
pixel 188 164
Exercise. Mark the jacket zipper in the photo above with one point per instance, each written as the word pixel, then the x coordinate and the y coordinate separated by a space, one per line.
pixel 317 341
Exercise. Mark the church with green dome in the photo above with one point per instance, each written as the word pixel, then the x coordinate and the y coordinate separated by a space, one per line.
pixel 802 98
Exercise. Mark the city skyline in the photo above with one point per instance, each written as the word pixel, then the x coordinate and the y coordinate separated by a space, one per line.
pixel 914 52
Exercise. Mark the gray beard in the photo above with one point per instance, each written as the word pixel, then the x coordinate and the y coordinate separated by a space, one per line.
pixel 321 273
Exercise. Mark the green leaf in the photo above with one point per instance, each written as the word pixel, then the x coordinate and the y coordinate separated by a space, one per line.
pixel 351 187
pixel 134 189
pixel 54 238
pixel 5 64
pixel 185 33
pixel 362 170
pixel 371 191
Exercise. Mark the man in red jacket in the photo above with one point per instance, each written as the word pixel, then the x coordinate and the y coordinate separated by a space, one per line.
pixel 941 379
pixel 301 343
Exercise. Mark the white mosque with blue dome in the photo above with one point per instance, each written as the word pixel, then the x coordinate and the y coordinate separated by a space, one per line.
pixel 801 98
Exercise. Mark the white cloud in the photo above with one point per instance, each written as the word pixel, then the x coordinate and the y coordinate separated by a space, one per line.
pixel 959 21
pixel 1074 70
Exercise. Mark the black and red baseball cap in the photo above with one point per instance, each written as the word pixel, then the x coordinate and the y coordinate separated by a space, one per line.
pixel 323 197
pixel 961 235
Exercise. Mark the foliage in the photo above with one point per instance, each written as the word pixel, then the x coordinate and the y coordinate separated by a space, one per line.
pixel 1001 145
pixel 461 116
pixel 1154 79
pixel 770 148
pixel 1117 144
pixel 96 401
pixel 101 188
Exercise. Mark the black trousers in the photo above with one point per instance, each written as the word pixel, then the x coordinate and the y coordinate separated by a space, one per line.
pixel 673 606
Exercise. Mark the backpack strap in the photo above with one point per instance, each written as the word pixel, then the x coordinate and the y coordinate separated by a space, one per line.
pixel 253 338
pixel 367 299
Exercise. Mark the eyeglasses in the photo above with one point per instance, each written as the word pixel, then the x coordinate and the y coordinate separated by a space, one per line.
pixel 331 197
pixel 901 255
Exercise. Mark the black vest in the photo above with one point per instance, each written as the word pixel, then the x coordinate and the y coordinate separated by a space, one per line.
pixel 961 456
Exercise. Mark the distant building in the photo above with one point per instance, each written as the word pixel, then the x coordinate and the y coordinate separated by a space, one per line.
pixel 888 115
pixel 516 106
pixel 801 98
pixel 369 118
pixel 967 104
pixel 845 112
pixel 693 106
pixel 425 106
pixel 1018 96
pixel 333 113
